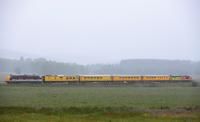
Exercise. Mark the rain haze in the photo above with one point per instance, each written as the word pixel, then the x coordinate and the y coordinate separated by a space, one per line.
pixel 106 31
pixel 99 60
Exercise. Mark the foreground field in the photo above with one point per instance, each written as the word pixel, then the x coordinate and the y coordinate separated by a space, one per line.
pixel 22 103
pixel 78 115
pixel 135 97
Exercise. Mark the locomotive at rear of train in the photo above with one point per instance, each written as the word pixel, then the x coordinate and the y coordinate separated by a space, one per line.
pixel 95 78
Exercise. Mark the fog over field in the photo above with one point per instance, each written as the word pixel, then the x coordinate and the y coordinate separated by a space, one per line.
pixel 142 58
pixel 106 31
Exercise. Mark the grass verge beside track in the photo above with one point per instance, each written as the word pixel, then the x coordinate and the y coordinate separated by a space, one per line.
pixel 26 103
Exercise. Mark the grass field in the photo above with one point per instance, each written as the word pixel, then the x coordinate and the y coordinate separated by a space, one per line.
pixel 23 103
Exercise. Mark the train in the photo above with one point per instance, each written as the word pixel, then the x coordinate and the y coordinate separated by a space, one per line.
pixel 95 78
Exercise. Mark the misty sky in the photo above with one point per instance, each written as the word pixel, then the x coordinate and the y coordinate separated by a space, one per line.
pixel 103 31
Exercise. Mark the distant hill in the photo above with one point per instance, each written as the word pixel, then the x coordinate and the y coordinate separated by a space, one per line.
pixel 125 67
pixel 11 54
pixel 155 66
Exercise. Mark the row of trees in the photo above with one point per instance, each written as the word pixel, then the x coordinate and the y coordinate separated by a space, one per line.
pixel 42 66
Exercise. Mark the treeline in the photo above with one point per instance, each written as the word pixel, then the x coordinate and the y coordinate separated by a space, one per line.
pixel 42 66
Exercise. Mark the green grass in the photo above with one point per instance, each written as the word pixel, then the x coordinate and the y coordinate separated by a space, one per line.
pixel 54 115
pixel 135 97
pixel 23 103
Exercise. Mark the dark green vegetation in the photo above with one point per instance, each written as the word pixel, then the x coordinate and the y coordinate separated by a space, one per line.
pixel 22 103
pixel 74 115
pixel 125 67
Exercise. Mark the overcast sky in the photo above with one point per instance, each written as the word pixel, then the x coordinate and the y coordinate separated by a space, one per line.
pixel 103 31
